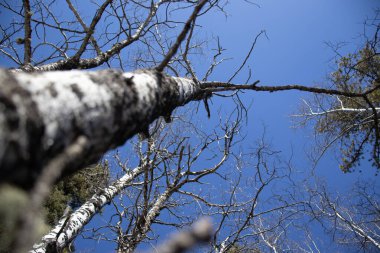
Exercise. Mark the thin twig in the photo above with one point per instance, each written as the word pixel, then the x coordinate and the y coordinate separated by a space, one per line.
pixel 173 50
pixel 91 29
pixel 75 12
pixel 246 57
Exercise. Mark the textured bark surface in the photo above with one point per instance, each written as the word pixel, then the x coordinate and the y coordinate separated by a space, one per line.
pixel 68 227
pixel 43 113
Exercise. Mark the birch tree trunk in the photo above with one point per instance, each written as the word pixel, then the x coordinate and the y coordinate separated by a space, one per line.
pixel 69 227
pixel 43 113
pixel 154 211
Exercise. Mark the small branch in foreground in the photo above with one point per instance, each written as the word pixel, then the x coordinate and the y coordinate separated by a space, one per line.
pixel 42 189
pixel 200 232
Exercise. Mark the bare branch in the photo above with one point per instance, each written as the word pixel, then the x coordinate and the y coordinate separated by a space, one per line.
pixel 28 33
pixel 181 36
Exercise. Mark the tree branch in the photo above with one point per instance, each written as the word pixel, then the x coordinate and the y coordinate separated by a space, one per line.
pixel 28 33
pixel 173 50
pixel 222 86
pixel 91 30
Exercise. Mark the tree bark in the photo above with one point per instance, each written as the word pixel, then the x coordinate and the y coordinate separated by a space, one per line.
pixel 69 226
pixel 140 234
pixel 42 113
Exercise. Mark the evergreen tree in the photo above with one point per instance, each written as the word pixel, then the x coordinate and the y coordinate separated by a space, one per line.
pixel 72 191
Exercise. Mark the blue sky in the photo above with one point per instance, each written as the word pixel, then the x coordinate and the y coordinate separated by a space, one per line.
pixel 296 52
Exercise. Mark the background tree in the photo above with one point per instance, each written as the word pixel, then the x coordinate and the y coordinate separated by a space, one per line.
pixel 73 191
pixel 352 219
pixel 351 122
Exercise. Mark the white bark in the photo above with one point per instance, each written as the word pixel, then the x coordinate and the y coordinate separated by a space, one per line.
pixel 41 113
pixel 341 109
pixel 69 227
pixel 153 212
pixel 351 225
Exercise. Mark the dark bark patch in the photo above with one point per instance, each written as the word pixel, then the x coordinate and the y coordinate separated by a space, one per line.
pixel 75 88
pixel 105 77
pixel 8 107
pixel 169 94
pixel 22 159
pixel 53 92
pixel 129 81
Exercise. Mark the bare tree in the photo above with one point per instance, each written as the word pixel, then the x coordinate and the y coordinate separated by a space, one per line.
pixel 352 219
pixel 349 219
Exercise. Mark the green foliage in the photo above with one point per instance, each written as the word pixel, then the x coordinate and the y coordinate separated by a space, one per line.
pixel 353 121
pixel 75 190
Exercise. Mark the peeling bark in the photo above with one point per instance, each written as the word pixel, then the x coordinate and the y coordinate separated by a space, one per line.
pixel 42 113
